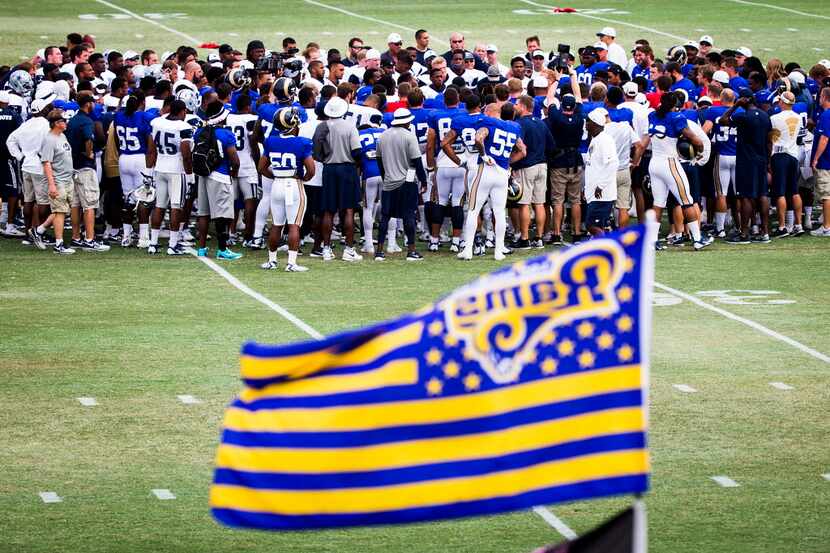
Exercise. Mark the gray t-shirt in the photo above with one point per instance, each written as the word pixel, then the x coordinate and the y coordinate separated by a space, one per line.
pixel 342 139
pixel 56 150
pixel 396 147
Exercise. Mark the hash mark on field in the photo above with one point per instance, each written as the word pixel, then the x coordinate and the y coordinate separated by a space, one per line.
pixel 163 494
pixel 43 37
pixel 745 30
pixel 187 399
pixel 134 15
pixel 781 386
pixel 826 476
pixel 87 401
pixel 233 34
pixel 685 388
pixel 792 29
pixel 773 7
pixel 725 481
pixel 700 30
pixel 139 36
pixel 50 497
pixel 819 49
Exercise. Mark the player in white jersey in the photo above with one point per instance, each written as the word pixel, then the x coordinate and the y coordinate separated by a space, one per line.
pixel 246 183
pixel 784 164
pixel 21 86
pixel 169 155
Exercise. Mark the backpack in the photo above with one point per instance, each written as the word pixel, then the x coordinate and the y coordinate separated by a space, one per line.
pixel 206 154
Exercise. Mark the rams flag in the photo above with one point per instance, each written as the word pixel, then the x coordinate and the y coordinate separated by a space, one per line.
pixel 525 387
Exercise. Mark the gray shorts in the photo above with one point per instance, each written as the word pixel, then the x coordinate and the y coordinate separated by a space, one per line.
pixel 215 199
pixel 171 189
pixel 247 187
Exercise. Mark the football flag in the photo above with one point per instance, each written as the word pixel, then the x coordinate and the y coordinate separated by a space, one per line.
pixel 525 387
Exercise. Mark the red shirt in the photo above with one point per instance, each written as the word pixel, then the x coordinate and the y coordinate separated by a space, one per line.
pixel 392 106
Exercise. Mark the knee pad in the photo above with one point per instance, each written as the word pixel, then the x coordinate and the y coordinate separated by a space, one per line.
pixel 434 213
pixel 457 217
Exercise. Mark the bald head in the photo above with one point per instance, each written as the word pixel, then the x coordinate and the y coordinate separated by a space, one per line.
pixel 727 97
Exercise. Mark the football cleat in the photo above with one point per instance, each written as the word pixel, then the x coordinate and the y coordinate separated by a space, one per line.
pixel 454 248
pixel 94 246
pixel 703 242
pixel 178 250
pixel 202 252
pixel 152 249
pixel 380 256
pixel 392 247
pixel 294 268
pixel 269 265
pixel 328 255
pixel 414 256
pixel 143 243
pixel 63 250
pixel 433 246
pixel 227 254
pixel 37 239
pixel 127 242
pixel 350 255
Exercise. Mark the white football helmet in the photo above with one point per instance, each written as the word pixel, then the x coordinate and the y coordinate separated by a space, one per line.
pixel 21 83
pixel 191 99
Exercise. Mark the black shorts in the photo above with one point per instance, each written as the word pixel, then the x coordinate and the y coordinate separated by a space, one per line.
pixel 693 174
pixel 10 179
pixel 706 174
pixel 750 178
pixel 312 198
pixel 401 202
pixel 640 172
pixel 785 173
pixel 341 187
pixel 598 214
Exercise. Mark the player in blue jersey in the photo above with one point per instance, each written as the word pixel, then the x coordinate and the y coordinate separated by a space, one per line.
pixel 499 142
pixel 464 127
pixel 448 175
pixel 590 65
pixel 369 134
pixel 132 132
pixel 665 128
pixel 214 200
pixel 286 159
pixel 724 144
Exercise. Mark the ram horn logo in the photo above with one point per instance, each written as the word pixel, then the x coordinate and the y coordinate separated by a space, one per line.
pixel 502 317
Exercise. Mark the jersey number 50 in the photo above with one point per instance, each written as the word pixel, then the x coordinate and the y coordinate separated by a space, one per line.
pixel 284 160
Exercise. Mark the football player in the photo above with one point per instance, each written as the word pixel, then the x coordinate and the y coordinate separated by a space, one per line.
pixel 169 155
pixel 370 175
pixel 286 159
pixel 784 138
pixel 246 184
pixel 724 143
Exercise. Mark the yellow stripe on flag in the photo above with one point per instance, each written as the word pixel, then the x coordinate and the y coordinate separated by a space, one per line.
pixel 437 409
pixel 434 450
pixel 433 492
pixel 301 365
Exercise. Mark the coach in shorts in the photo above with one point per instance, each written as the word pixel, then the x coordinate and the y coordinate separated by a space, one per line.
pixel 56 157
pixel 600 173
pixel 532 172
pixel 566 167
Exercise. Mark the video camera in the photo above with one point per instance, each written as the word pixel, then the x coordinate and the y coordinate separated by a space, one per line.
pixel 281 63
pixel 559 62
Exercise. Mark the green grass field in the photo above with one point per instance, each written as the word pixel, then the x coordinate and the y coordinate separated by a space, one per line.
pixel 134 332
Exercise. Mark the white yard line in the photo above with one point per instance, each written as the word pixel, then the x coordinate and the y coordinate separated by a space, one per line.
pixel 368 18
pixel 752 324
pixel 134 15
pixel 188 399
pixel 607 20
pixel 50 497
pixel 779 8
pixel 685 388
pixel 163 494
pixel 236 283
pixel 781 386
pixel 556 522
pixel 87 401
pixel 725 481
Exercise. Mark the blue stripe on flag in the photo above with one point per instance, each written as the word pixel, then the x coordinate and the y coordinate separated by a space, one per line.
pixel 434 471
pixel 360 438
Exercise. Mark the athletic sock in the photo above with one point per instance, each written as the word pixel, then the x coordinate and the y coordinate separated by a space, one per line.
pixel 128 230
pixel 456 240
pixel 694 230
pixel 292 257
pixel 143 231
pixel 41 229
pixel 808 213
pixel 789 218
pixel 107 229
pixel 272 255
pixel 720 221
pixel 58 242
pixel 154 236
pixel 174 238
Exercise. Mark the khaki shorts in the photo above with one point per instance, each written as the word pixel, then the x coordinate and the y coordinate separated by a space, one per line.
pixel 35 188
pixel 534 181
pixel 215 199
pixel 623 189
pixel 86 193
pixel 822 188
pixel 566 184
pixel 63 201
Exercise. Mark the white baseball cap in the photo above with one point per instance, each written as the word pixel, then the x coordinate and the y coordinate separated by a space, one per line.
pixel 373 54
pixel 41 103
pixel 394 38
pixel 402 116
pixel 165 56
pixel 491 48
pixel 706 39
pixel 599 116
pixel 540 81
pixel 600 46
pixel 630 89
pixel 608 31
pixel 336 108
pixel 539 54
pixel 44 89
pixel 744 51
pixel 704 100
pixel 797 77
pixel 131 54
pixel 825 63
pixel 721 76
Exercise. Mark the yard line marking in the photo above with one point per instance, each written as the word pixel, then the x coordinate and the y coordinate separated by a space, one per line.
pixel 367 18
pixel 781 386
pixel 194 40
pixel 826 476
pixel 752 324
pixel 684 388
pixel 187 399
pixel 50 497
pixel 781 8
pixel 87 401
pixel 163 494
pixel 725 481
pixel 556 522
pixel 235 282
pixel 607 20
